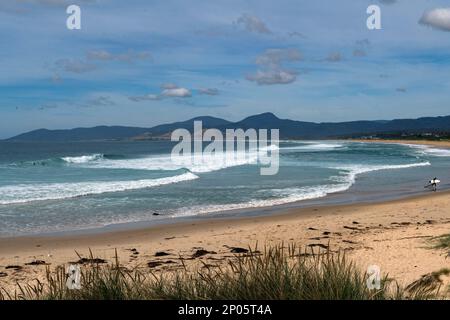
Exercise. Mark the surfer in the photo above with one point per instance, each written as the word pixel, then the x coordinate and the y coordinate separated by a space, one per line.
pixel 433 183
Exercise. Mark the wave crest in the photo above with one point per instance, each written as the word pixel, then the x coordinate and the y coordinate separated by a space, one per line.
pixel 56 191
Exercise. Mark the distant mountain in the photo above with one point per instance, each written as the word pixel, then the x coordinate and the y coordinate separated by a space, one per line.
pixel 288 129
pixel 79 134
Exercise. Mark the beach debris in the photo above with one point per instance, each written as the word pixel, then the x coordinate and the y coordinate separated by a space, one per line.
pixel 3 274
pixel 239 250
pixel 169 238
pixel 36 263
pixel 201 252
pixel 134 251
pixel 236 249
pixel 311 228
pixel 351 228
pixel 161 254
pixel 15 267
pixel 153 264
pixel 355 222
pixel 90 261
pixel 169 261
pixel 156 214
pixel 326 233
pixel 402 223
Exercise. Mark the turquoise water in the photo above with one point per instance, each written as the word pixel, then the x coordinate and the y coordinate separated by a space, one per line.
pixel 61 187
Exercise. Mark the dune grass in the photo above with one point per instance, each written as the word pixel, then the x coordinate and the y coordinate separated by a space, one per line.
pixel 279 272
pixel 442 242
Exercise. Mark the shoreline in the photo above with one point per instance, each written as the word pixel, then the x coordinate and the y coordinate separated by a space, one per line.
pixel 331 199
pixel 394 234
pixel 445 144
pixel 277 212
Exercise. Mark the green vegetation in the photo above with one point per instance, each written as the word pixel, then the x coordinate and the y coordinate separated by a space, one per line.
pixel 442 242
pixel 276 273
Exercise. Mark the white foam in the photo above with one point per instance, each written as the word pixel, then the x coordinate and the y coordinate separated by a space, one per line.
pixel 54 191
pixel 83 159
pixel 312 146
pixel 426 150
pixel 291 195
pixel 355 170
pixel 197 163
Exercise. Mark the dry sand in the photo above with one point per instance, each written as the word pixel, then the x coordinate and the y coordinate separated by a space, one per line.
pixel 395 235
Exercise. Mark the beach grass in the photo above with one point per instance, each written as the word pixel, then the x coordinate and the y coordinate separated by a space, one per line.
pixel 277 273
pixel 442 242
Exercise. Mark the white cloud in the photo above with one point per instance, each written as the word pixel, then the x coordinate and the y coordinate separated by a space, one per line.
pixel 177 93
pixel 271 70
pixel 275 76
pixel 277 56
pixel 170 90
pixel 253 24
pixel 437 18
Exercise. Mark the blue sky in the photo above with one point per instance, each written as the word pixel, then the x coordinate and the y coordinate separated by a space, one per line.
pixel 143 63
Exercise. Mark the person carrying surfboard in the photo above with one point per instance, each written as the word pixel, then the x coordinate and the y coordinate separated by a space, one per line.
pixel 433 183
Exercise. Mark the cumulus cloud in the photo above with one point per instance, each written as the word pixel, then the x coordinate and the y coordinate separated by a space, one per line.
pixel 177 93
pixel 271 70
pixel 170 90
pixel 274 57
pixel 252 24
pixel 276 76
pixel 437 18
pixel 209 91
pixel 130 56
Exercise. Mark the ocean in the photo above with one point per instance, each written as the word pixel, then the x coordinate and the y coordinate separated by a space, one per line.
pixel 70 187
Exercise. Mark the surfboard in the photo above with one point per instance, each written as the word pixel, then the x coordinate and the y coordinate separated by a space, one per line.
pixel 431 182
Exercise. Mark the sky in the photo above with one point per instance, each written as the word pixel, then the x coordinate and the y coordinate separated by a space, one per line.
pixel 142 63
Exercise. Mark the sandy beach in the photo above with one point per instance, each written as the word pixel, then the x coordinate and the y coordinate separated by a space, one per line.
pixel 443 144
pixel 395 235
